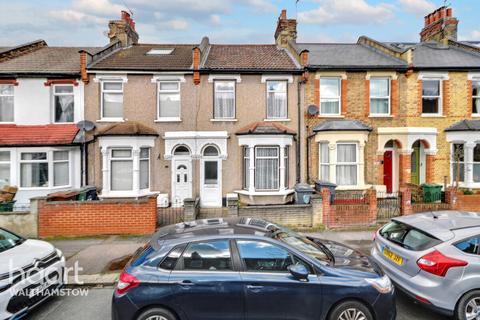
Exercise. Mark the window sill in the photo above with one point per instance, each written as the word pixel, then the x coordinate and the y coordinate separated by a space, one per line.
pixel 338 116
pixel 354 187
pixel 277 120
pixel 475 115
pixel 44 188
pixel 168 120
pixel 383 116
pixel 223 120
pixel 426 115
pixel 127 194
pixel 7 123
pixel 266 193
pixel 111 120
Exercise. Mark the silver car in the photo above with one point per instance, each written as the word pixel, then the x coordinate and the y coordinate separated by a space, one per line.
pixel 435 258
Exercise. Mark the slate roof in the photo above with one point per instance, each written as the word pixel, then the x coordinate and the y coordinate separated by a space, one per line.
pixel 136 58
pixel 341 125
pixel 263 127
pixel 465 125
pixel 128 128
pixel 249 57
pixel 51 134
pixel 348 56
pixel 46 60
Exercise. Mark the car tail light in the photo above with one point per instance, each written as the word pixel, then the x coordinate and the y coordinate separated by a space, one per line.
pixel 438 264
pixel 422 299
pixel 126 282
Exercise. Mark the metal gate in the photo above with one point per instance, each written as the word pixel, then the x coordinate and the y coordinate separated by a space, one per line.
pixel 388 206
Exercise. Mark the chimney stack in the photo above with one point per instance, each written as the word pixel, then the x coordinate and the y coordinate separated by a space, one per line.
pixel 440 26
pixel 123 30
pixel 286 30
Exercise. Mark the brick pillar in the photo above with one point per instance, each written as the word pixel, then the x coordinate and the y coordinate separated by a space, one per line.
pixel 405 170
pixel 190 210
pixel 395 98
pixel 406 204
pixel 430 170
pixel 372 205
pixel 232 204
pixel 344 97
pixel 420 94
pixel 326 207
pixel 451 198
pixel 367 98
pixel 469 98
pixel 446 97
pixel 380 171
pixel 317 210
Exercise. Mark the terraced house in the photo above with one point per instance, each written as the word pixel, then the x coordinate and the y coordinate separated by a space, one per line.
pixel 389 114
pixel 192 120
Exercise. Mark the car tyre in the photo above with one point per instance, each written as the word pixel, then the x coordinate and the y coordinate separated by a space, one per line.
pixel 350 310
pixel 467 305
pixel 156 314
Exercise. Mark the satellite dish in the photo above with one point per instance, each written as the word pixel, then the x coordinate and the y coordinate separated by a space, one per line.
pixel 86 125
pixel 312 110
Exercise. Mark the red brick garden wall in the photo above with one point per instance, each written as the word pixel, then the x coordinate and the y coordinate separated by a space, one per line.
pixel 468 203
pixel 96 217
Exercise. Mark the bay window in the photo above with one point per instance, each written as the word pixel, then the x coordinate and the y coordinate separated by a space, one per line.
pixel 476 163
pixel 4 168
pixel 330 96
pixel 61 170
pixel 246 167
pixel 277 99
pixel 324 161
pixel 63 101
pixel 169 100
pixel 431 97
pixel 34 170
pixel 224 100
pixel 347 164
pixel 267 168
pixel 476 98
pixel 121 164
pixel 458 162
pixel 112 99
pixel 379 96
pixel 144 168
pixel 6 103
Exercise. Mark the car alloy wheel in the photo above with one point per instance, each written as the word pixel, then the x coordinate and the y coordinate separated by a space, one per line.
pixel 472 309
pixel 156 318
pixel 352 314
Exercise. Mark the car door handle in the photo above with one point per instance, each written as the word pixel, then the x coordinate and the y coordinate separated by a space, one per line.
pixel 187 283
pixel 254 287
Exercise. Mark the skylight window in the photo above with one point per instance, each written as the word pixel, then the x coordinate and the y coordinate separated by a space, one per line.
pixel 162 51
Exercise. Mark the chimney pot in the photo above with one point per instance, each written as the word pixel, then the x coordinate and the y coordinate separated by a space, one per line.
pixel 125 15
pixel 449 12
pixel 443 13
pixel 427 21
pixel 283 16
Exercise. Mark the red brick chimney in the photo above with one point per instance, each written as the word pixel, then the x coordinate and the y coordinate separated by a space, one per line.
pixel 286 30
pixel 196 65
pixel 123 30
pixel 440 26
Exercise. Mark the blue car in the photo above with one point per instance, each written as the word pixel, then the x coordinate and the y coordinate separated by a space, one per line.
pixel 249 269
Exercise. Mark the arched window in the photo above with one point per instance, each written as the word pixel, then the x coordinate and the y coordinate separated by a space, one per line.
pixel 181 151
pixel 210 151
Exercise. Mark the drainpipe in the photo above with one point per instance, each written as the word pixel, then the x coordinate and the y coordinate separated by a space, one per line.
pixel 309 137
pixel 299 129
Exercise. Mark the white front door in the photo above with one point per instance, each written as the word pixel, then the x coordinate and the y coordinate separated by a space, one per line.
pixel 181 181
pixel 211 183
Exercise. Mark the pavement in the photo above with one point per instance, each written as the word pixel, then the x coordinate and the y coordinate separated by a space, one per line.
pixel 94 255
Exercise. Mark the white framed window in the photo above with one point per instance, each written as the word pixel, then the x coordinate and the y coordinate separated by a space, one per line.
pixel 379 96
pixel 246 168
pixel 121 166
pixel 4 168
pixel 476 98
pixel 267 168
pixel 458 162
pixel 285 163
pixel 144 168
pixel 347 164
pixel 6 103
pixel 432 96
pixel 324 163
pixel 34 171
pixel 112 100
pixel 476 163
pixel 224 104
pixel 61 168
pixel 277 99
pixel 330 92
pixel 169 102
pixel 63 103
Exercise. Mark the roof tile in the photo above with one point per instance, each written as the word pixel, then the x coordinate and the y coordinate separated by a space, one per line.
pixel 51 134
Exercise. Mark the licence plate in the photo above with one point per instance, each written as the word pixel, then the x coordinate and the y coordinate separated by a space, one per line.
pixel 392 256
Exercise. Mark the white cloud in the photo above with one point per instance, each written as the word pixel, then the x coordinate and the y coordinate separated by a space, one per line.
pixel 98 7
pixel 215 19
pixel 418 7
pixel 346 12
pixel 475 35
pixel 76 17
pixel 178 24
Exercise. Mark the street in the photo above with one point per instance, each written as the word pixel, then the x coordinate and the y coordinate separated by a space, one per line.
pixel 96 305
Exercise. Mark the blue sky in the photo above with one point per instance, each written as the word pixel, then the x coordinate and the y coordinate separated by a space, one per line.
pixel 84 22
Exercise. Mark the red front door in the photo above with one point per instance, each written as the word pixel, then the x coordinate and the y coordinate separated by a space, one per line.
pixel 388 170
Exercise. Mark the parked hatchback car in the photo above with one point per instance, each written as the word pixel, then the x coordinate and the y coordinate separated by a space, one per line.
pixel 250 269
pixel 30 271
pixel 435 258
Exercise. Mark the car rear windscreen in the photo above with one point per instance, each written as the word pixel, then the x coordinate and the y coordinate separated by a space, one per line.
pixel 408 237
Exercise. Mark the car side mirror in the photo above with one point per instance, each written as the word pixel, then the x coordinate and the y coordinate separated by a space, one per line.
pixel 299 272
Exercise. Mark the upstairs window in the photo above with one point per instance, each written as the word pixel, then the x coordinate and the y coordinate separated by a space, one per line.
pixel 476 97
pixel 169 100
pixel 379 96
pixel 224 100
pixel 330 96
pixel 6 103
pixel 276 99
pixel 431 97
pixel 63 101
pixel 112 100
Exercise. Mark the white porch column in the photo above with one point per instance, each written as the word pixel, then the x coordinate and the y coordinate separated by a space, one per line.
pixel 332 160
pixel 251 178
pixel 282 168
pixel 136 171
pixel 105 171
pixel 361 164
pixel 468 157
